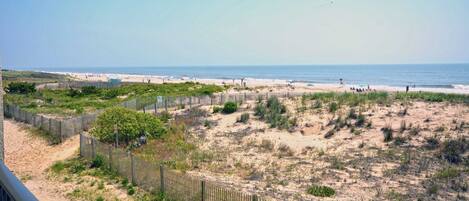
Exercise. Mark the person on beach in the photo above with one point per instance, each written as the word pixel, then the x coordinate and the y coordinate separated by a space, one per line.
pixel 407 88
pixel 341 81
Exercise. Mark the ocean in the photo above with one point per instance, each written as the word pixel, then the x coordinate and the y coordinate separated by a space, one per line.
pixel 420 75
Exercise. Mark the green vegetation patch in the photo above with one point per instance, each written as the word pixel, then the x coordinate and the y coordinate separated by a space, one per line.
pixel 126 125
pixel 9 76
pixel 355 99
pixel 69 102
pixel 321 191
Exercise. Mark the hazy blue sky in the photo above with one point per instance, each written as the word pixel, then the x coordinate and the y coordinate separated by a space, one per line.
pixel 232 32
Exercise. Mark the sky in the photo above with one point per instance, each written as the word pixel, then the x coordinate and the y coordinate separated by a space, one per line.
pixel 53 33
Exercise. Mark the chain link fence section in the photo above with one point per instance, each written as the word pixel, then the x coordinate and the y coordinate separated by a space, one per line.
pixel 154 177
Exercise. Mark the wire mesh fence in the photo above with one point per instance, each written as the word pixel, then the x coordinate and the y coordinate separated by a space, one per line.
pixel 154 177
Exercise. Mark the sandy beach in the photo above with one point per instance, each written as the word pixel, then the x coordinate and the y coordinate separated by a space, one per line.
pixel 261 85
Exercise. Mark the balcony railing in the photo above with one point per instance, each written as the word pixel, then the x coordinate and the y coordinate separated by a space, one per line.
pixel 11 188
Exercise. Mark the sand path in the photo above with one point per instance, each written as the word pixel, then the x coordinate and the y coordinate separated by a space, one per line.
pixel 29 156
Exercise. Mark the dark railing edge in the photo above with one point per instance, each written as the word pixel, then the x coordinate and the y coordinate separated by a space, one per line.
pixel 13 186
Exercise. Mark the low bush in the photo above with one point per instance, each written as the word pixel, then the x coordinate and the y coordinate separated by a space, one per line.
pixel 229 107
pixel 88 90
pixel 128 124
pixel 360 120
pixel 447 173
pixel 387 132
pixel 217 109
pixel 97 162
pixel 321 191
pixel 453 149
pixel 21 88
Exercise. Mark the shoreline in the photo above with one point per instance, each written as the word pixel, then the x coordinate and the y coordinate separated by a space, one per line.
pixel 269 84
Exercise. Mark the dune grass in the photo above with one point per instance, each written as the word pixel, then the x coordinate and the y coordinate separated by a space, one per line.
pixel 69 102
pixel 355 99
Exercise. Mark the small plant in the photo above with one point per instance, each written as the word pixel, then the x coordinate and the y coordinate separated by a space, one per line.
pixel 230 107
pixel 321 191
pixel 387 132
pixel 97 162
pixel 447 173
pixel 130 190
pixel 207 123
pixel 453 149
pixel 217 109
pixel 100 198
pixel 58 166
pixel 244 118
pixel 333 107
pixel 432 143
pixel 399 141
pixel 360 120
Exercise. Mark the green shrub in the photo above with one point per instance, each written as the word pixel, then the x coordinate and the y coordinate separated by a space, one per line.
pixel 88 90
pixel 321 191
pixel 217 109
pixel 453 149
pixel 110 93
pixel 360 120
pixel 260 110
pixel 100 198
pixel 244 118
pixel 230 107
pixel 130 190
pixel 74 93
pixel 447 173
pixel 97 162
pixel 130 125
pixel 387 132
pixel 21 88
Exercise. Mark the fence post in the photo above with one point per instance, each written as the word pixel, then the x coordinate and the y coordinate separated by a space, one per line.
pixel 211 100
pixel 165 103
pixel 161 179
pixel 81 144
pixel 50 125
pixel 110 156
pixel 254 198
pixel 60 131
pixel 132 168
pixel 154 106
pixel 202 183
pixel 190 102
pixel 93 151
pixel 144 109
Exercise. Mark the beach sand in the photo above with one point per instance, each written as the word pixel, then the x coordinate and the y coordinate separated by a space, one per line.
pixel 260 85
